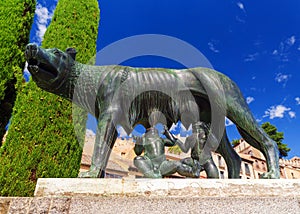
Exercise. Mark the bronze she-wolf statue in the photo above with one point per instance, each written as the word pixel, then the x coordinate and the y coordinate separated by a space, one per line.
pixel 121 95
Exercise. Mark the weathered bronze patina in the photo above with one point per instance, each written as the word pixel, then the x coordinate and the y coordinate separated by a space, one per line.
pixel 153 164
pixel 191 167
pixel 105 91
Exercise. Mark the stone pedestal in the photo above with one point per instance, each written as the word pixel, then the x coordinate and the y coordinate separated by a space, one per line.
pixel 60 195
pixel 167 187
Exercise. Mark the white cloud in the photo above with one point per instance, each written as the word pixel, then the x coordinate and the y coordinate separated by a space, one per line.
pixel 292 114
pixel 297 100
pixel 122 133
pixel 283 52
pixel 275 52
pixel 26 73
pixel 291 41
pixel 184 132
pixel 26 67
pixel 251 57
pixel 241 6
pixel 258 120
pixel 43 18
pixel 89 133
pixel 249 100
pixel 174 127
pixel 212 46
pixel 183 128
pixel 239 19
pixel 276 111
pixel 228 122
pixel 282 78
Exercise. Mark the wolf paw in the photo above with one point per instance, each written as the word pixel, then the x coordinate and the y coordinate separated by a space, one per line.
pixel 272 174
pixel 92 173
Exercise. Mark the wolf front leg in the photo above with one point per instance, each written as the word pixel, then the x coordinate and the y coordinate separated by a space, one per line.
pixel 105 139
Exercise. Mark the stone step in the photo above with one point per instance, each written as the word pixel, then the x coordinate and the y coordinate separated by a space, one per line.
pixel 67 195
pixel 153 205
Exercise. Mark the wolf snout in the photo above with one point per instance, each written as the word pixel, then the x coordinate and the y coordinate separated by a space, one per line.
pixel 31 51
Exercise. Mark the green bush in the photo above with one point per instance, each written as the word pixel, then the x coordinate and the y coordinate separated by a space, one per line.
pixel 41 141
pixel 16 17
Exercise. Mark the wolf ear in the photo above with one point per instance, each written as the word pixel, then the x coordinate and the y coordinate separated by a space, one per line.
pixel 72 52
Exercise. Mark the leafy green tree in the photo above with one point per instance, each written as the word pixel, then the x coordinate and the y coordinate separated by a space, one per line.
pixel 235 142
pixel 16 17
pixel 175 150
pixel 41 140
pixel 271 130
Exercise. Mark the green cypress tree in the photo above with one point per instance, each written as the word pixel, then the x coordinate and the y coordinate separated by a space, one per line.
pixel 16 17
pixel 41 141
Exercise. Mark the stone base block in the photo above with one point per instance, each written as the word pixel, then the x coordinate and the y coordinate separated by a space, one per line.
pixel 158 196
pixel 167 187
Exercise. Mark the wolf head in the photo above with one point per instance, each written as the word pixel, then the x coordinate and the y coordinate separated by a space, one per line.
pixel 49 68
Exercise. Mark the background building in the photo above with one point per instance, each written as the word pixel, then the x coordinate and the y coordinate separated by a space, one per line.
pixel 253 162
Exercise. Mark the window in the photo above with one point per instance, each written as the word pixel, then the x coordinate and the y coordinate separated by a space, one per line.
pixel 264 166
pixel 292 175
pixel 256 164
pixel 247 169
pixel 220 161
pixel 222 174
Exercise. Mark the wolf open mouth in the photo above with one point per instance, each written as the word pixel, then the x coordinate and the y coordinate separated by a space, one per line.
pixel 46 70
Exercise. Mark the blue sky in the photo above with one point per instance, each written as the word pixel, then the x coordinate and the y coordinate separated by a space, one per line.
pixel 255 43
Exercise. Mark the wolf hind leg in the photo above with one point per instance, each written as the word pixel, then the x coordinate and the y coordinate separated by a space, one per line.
pixel 232 159
pixel 269 149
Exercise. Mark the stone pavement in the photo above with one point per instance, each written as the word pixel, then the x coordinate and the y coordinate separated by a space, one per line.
pixel 158 196
pixel 153 205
